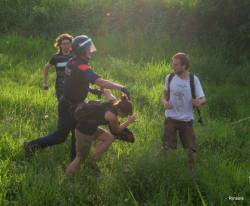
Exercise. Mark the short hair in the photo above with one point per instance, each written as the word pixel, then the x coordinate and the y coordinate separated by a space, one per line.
pixel 184 58
pixel 60 38
pixel 124 105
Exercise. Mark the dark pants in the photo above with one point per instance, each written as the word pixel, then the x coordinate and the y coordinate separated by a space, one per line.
pixel 59 94
pixel 65 124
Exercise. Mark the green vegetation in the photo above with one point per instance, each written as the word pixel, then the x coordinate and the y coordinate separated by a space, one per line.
pixel 134 48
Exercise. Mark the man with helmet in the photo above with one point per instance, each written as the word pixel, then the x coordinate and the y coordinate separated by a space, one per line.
pixel 78 76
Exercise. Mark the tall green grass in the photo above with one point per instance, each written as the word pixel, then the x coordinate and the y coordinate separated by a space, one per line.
pixel 131 174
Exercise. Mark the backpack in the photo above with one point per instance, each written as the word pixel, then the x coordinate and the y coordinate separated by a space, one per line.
pixel 192 87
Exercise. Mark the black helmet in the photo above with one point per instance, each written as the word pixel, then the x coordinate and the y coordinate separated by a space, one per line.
pixel 81 43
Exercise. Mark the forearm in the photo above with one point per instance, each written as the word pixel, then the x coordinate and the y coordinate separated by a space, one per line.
pixel 110 98
pixel 123 126
pixel 164 96
pixel 45 74
pixel 108 84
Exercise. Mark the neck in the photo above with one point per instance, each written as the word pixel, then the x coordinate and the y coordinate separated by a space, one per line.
pixel 183 75
pixel 65 52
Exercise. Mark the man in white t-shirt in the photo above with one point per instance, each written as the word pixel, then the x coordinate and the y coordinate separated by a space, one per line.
pixel 178 104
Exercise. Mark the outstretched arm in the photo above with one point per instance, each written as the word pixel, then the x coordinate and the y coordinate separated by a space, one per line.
pixel 108 84
pixel 103 83
pixel 108 94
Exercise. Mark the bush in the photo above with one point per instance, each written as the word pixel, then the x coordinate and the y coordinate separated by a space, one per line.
pixel 189 21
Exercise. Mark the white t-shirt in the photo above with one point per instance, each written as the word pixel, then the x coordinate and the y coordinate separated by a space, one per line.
pixel 181 98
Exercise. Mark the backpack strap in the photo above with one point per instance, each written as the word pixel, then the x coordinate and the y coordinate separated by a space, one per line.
pixel 170 77
pixel 192 86
pixel 191 78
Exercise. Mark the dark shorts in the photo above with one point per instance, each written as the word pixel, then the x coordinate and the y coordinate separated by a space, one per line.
pixel 185 131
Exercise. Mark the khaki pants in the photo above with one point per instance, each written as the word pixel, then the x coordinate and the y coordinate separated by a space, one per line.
pixel 186 133
pixel 83 141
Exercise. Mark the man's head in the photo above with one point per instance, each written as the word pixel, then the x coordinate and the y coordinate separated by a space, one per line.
pixel 63 43
pixel 180 63
pixel 83 46
pixel 124 106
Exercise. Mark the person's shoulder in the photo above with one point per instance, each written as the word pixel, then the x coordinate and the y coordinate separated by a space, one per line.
pixel 167 76
pixel 196 78
pixel 170 75
pixel 53 56
pixel 80 64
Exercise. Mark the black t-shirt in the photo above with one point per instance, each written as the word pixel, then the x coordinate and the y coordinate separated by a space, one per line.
pixel 90 125
pixel 60 60
pixel 78 76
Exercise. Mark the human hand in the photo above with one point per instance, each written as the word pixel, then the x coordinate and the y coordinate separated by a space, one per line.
pixel 197 102
pixel 167 104
pixel 131 118
pixel 126 92
pixel 45 86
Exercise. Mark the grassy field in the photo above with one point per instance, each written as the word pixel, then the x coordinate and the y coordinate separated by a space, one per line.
pixel 132 174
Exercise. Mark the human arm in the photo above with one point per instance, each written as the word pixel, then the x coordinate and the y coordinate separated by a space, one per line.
pixel 199 93
pixel 199 101
pixel 103 83
pixel 114 123
pixel 45 75
pixel 108 94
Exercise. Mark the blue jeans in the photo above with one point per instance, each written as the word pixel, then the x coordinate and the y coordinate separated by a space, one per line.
pixel 65 124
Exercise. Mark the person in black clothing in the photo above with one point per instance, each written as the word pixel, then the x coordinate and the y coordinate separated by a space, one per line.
pixel 59 61
pixel 78 77
pixel 88 130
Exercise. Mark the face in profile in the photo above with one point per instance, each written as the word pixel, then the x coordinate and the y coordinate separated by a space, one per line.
pixel 88 52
